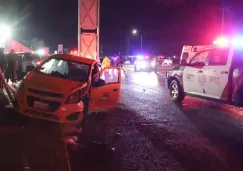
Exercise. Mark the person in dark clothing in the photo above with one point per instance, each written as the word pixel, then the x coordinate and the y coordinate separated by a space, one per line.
pixel 3 64
pixel 120 62
pixel 12 66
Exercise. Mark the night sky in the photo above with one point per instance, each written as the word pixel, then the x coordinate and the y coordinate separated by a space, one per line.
pixel 165 25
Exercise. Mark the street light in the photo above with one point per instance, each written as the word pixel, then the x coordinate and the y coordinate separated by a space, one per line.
pixel 134 31
pixel 5 33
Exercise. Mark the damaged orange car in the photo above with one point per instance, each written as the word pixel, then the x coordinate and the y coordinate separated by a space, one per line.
pixel 65 87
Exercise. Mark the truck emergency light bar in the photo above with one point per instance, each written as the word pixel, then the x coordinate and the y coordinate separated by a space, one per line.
pixel 222 41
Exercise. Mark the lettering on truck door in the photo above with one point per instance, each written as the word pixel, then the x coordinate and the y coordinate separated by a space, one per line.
pixel 193 74
pixel 217 73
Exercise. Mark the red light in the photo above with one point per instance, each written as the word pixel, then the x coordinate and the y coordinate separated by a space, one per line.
pixel 74 52
pixel 195 50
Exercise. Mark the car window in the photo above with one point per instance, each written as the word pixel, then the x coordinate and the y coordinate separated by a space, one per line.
pixel 185 55
pixel 218 57
pixel 200 59
pixel 109 76
pixel 65 69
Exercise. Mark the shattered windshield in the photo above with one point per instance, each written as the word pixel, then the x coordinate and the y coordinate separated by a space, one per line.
pixel 65 69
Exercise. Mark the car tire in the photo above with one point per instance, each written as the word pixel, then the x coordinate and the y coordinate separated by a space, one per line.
pixel 176 92
pixel 238 101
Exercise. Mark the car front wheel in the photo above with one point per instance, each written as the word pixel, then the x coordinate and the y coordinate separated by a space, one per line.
pixel 176 92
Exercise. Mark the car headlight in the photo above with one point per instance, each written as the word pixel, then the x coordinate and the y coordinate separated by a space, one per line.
pixel 153 64
pixel 142 64
pixel 77 96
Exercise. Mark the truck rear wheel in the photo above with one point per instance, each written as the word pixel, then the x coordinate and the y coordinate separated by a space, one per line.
pixel 176 92
pixel 238 101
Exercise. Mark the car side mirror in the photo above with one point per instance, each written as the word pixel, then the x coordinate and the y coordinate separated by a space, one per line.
pixel 183 62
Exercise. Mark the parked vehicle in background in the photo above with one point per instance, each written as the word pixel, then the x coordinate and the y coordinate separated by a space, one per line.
pixel 167 62
pixel 28 61
pixel 144 64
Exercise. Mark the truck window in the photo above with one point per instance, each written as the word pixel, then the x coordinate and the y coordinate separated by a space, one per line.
pixel 185 55
pixel 218 56
pixel 200 59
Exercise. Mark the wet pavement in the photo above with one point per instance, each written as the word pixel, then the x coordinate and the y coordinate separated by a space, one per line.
pixel 149 132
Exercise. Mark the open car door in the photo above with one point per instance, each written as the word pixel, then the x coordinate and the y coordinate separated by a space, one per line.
pixel 105 90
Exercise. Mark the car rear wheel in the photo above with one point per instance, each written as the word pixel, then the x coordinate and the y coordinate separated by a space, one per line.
pixel 176 92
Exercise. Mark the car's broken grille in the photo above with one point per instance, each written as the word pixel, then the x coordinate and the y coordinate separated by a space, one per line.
pixel 45 93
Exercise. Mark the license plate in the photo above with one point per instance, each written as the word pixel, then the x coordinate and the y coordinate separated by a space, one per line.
pixel 40 105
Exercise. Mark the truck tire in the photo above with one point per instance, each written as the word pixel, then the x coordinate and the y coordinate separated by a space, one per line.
pixel 176 92
pixel 238 101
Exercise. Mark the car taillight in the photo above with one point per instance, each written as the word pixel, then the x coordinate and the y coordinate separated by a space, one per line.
pixel 77 96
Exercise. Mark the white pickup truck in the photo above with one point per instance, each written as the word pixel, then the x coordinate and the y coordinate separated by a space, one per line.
pixel 213 73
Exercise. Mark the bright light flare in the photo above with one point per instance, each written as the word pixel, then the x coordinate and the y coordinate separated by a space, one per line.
pixel 142 64
pixel 38 63
pixel 222 41
pixel 153 64
pixel 237 42
pixel 41 52
pixel 5 33
pixel 140 56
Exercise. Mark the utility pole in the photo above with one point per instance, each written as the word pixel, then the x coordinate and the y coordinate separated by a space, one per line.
pixel 141 44
pixel 127 46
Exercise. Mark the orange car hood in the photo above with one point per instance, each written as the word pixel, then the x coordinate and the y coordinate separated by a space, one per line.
pixel 52 84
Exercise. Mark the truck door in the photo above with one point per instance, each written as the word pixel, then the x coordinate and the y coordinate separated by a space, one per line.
pixel 217 74
pixel 193 79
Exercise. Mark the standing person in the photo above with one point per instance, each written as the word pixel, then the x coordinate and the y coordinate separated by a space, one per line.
pixel 106 62
pixel 12 67
pixel 3 64
pixel 120 62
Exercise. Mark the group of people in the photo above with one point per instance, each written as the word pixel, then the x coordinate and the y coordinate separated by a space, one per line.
pixel 118 62
pixel 8 65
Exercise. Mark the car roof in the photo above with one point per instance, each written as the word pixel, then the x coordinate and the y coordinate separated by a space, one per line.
pixel 74 58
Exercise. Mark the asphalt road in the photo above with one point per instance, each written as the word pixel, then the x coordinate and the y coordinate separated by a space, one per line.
pixel 150 132
pixel 147 131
